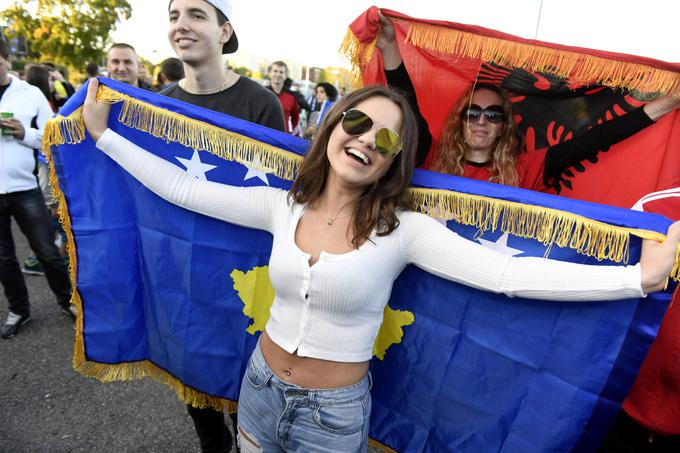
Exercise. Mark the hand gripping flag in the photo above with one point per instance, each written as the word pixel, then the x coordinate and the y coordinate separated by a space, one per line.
pixel 652 401
pixel 557 92
pixel 168 293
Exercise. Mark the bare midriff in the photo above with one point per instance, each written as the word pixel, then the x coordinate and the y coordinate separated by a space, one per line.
pixel 308 372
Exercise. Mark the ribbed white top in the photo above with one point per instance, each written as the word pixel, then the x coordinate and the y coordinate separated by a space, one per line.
pixel 333 309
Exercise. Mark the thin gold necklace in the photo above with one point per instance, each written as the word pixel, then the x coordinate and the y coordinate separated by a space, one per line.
pixel 337 216
pixel 183 85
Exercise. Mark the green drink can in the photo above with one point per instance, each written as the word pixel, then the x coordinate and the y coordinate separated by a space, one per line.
pixel 3 116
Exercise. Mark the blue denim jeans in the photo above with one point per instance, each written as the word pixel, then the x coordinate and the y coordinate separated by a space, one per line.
pixel 29 212
pixel 274 416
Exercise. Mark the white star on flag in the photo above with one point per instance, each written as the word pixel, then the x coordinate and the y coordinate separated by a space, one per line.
pixel 195 167
pixel 255 171
pixel 501 245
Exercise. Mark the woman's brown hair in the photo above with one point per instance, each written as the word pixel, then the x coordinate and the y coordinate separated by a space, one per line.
pixel 377 207
pixel 453 147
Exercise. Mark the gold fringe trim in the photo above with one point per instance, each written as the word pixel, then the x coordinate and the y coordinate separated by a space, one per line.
pixel 358 53
pixel 383 448
pixel 59 131
pixel 201 136
pixel 548 226
pixel 105 372
pixel 577 67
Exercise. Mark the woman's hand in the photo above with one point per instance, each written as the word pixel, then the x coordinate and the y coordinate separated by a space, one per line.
pixel 387 43
pixel 661 106
pixel 309 133
pixel 56 75
pixel 95 114
pixel 658 258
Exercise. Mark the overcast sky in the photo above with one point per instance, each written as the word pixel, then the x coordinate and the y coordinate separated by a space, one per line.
pixel 310 31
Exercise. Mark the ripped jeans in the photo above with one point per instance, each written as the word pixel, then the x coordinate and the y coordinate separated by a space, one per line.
pixel 274 416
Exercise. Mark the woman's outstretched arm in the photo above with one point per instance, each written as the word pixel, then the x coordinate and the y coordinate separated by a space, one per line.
pixel 251 207
pixel 434 248
pixel 398 78
pixel 600 137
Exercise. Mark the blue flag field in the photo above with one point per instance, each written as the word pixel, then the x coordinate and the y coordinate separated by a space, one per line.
pixel 167 293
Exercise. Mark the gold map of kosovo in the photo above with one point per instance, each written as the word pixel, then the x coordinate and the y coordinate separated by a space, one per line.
pixel 255 291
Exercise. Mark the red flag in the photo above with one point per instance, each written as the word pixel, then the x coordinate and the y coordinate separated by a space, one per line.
pixel 558 91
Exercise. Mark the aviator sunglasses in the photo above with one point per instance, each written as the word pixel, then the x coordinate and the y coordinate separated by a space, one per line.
pixel 493 114
pixel 387 142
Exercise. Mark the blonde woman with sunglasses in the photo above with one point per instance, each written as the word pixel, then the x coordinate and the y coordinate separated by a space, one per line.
pixel 480 139
pixel 341 236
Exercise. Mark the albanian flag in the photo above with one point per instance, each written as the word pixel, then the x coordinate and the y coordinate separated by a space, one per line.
pixel 557 92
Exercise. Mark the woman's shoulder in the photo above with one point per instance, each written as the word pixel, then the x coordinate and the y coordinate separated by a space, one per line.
pixel 284 199
pixel 409 218
pixel 280 196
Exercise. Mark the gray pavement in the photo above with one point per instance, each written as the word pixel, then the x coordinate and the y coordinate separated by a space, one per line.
pixel 46 406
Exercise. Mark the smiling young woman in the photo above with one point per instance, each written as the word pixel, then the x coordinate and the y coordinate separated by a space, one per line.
pixel 332 176
pixel 307 386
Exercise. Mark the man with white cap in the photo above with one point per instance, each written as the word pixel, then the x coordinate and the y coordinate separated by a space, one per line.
pixel 200 33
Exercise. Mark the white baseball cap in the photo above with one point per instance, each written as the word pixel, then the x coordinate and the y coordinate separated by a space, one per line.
pixel 224 6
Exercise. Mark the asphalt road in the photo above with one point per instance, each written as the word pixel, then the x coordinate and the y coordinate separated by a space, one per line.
pixel 46 406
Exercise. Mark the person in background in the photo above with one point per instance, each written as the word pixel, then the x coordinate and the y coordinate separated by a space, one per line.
pixel 22 200
pixel 294 89
pixel 144 79
pixel 171 72
pixel 324 97
pixel 200 33
pixel 122 63
pixel 278 71
pixel 62 89
pixel 39 76
pixel 91 70
pixel 480 139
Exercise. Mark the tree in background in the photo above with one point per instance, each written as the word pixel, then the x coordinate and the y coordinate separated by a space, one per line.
pixel 242 70
pixel 67 32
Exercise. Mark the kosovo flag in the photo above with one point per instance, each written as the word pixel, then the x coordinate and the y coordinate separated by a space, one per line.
pixel 557 92
pixel 171 294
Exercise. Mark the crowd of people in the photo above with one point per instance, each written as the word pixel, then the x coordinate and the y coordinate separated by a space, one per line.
pixel 350 184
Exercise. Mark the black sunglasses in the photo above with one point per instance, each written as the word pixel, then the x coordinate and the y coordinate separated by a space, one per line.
pixel 387 142
pixel 493 114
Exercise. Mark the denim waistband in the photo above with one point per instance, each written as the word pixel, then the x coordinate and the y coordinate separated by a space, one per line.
pixel 322 396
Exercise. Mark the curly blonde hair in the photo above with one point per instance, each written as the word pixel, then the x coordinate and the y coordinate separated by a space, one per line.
pixel 450 157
